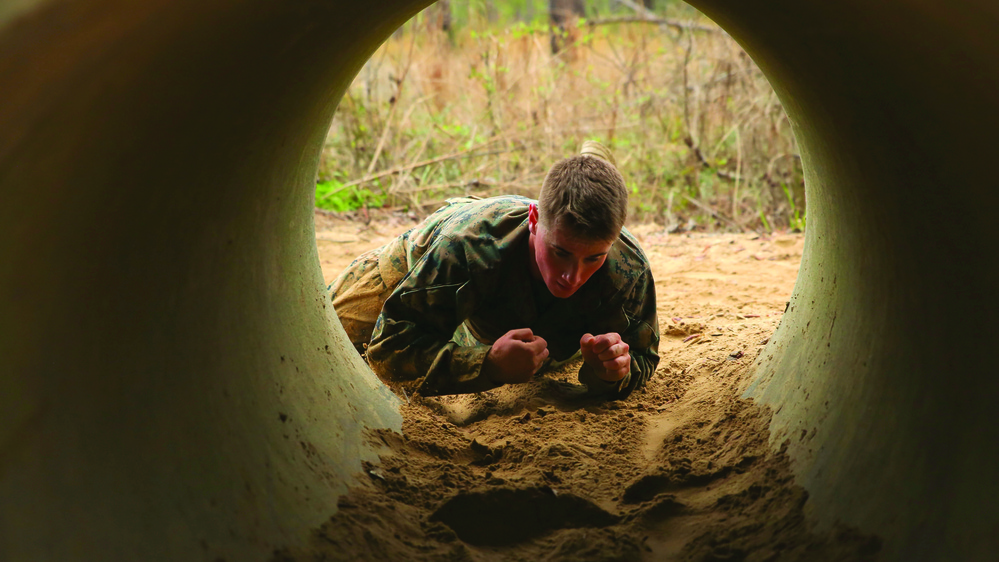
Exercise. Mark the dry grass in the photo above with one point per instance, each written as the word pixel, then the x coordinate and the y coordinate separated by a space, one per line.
pixel 695 127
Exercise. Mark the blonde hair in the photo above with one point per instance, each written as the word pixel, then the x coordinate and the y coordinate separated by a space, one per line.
pixel 586 195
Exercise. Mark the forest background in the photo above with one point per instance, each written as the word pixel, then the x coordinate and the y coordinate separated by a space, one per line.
pixel 481 97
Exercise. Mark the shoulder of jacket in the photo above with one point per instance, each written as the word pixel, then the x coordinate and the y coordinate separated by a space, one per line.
pixel 486 221
pixel 478 234
pixel 627 261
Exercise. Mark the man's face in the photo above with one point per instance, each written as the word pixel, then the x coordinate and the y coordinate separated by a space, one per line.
pixel 564 262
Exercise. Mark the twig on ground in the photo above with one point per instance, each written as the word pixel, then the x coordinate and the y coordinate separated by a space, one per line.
pixel 714 213
pixel 473 183
pixel 435 203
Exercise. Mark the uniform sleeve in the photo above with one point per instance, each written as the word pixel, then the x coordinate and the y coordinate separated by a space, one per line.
pixel 412 336
pixel 642 336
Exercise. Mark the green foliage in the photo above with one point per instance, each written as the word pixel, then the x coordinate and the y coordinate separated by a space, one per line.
pixel 522 29
pixel 766 223
pixel 331 196
pixel 797 220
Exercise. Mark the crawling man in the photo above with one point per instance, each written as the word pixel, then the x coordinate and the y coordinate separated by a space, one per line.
pixel 487 292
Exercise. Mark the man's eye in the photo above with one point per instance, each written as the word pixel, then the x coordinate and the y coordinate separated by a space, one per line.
pixel 592 260
pixel 561 254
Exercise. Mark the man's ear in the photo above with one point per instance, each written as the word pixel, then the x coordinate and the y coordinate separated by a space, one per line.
pixel 532 218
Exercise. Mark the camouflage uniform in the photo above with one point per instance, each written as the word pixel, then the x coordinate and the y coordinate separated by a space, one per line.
pixel 434 299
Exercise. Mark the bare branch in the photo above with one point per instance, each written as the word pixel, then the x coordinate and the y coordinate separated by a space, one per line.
pixel 398 169
pixel 714 213
pixel 676 24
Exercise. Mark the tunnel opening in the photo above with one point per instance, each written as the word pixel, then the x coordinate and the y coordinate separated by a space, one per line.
pixel 501 471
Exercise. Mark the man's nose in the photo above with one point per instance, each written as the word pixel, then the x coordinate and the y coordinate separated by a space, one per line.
pixel 571 275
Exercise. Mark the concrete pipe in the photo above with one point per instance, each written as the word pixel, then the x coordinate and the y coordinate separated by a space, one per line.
pixel 172 386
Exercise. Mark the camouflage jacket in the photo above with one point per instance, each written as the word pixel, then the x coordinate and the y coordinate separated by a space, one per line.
pixel 467 267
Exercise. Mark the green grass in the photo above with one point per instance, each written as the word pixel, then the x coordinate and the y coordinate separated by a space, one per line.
pixel 330 196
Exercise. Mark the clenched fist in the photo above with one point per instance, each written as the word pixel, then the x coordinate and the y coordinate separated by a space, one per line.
pixel 607 355
pixel 515 357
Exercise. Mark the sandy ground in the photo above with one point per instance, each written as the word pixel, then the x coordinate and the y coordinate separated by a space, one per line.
pixel 681 470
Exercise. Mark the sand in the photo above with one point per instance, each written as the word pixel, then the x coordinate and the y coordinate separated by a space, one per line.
pixel 681 470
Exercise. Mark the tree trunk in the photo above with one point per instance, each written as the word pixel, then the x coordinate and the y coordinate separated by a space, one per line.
pixel 563 15
pixel 439 16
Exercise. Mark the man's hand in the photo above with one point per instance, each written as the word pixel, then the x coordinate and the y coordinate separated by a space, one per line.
pixel 515 357
pixel 607 355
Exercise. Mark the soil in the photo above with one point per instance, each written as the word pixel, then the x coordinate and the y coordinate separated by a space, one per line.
pixel 681 470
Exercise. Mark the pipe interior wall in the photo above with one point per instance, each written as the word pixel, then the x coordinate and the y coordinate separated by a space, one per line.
pixel 877 374
pixel 174 385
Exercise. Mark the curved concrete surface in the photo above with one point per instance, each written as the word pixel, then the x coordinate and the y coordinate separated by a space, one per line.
pixel 881 375
pixel 172 386
pixel 166 390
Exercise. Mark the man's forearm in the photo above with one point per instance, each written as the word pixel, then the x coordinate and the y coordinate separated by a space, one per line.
pixel 401 353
